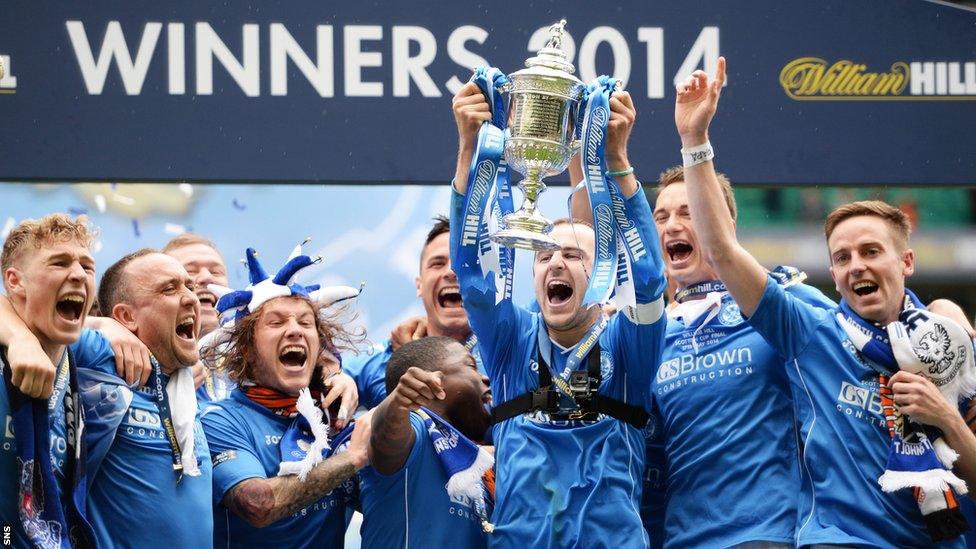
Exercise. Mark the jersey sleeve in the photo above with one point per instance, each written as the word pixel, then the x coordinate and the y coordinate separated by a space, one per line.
pixel 368 370
pixel 233 457
pixel 93 351
pixel 784 321
pixel 638 332
pixel 637 348
pixel 645 252
pixel 812 296
pixel 419 439
pixel 495 319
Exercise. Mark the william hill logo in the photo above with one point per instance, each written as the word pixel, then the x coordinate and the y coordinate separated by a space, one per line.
pixel 815 79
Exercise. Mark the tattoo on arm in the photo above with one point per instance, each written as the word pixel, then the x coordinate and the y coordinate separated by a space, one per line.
pixel 265 501
pixel 392 437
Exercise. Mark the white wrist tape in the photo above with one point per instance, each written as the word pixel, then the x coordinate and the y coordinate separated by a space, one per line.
pixel 697 155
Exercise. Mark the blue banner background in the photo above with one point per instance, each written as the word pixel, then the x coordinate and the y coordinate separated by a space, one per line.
pixel 55 130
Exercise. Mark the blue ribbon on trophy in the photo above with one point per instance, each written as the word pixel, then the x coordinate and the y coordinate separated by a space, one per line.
pixel 613 259
pixel 490 194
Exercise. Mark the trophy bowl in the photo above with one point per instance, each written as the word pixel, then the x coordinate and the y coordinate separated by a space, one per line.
pixel 544 101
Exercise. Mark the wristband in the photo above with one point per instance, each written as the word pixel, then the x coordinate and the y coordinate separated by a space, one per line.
pixel 697 155
pixel 621 173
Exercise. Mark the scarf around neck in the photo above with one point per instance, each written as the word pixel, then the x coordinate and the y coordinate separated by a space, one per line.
pixel 468 466
pixel 49 521
pixel 306 440
pixel 937 348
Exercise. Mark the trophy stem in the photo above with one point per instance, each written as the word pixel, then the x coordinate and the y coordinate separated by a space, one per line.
pixel 527 228
pixel 532 187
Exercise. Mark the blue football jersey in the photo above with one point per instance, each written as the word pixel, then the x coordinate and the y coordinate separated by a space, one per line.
pixel 411 508
pixel 843 435
pixel 133 496
pixel 243 438
pixel 566 483
pixel 727 433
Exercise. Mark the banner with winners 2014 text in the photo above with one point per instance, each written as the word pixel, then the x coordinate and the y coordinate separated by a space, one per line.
pixel 830 92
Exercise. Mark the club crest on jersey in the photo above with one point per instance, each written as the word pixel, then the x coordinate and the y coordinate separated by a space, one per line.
pixel 730 315
pixel 606 365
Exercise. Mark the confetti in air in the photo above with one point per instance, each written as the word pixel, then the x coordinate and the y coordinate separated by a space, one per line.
pixel 122 199
pixel 7 227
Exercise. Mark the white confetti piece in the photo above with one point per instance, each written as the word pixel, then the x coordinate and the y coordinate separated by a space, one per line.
pixel 7 227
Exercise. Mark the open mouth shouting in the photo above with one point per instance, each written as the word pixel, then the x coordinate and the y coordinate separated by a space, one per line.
pixel 293 357
pixel 864 287
pixel 679 251
pixel 71 307
pixel 450 297
pixel 558 292
pixel 207 299
pixel 186 328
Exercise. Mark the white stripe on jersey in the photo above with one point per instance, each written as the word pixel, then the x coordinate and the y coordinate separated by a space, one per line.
pixel 803 458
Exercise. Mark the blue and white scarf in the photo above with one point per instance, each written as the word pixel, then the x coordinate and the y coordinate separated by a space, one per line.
pixel 50 521
pixel 306 440
pixel 937 348
pixel 464 462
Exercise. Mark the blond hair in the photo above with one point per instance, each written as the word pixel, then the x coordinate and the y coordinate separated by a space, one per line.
pixel 188 239
pixel 32 234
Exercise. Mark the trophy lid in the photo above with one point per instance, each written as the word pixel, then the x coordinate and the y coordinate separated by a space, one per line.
pixel 551 59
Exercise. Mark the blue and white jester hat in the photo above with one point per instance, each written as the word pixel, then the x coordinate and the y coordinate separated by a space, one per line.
pixel 233 305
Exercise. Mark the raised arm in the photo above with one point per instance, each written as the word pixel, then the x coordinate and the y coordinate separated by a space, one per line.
pixel 470 111
pixel 697 101
pixel 479 268
pixel 623 114
pixel 622 118
pixel 393 437
pixel 31 369
pixel 264 501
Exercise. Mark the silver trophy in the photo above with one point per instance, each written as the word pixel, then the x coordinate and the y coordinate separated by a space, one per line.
pixel 544 100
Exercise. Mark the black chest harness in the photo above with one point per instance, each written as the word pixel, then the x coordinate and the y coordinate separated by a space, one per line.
pixel 584 386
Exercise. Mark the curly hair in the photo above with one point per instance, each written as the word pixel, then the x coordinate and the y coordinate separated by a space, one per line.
pixel 237 357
